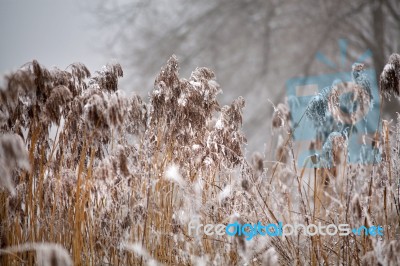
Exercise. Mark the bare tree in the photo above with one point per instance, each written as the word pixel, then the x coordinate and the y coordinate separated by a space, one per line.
pixel 376 25
pixel 253 46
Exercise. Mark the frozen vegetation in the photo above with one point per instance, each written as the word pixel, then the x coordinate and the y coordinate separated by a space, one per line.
pixel 91 176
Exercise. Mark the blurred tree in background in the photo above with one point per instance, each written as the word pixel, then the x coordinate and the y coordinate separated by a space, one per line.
pixel 253 46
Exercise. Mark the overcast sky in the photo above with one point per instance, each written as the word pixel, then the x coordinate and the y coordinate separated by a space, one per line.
pixel 56 33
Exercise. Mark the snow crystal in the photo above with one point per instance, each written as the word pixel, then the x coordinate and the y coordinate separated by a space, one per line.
pixel 195 84
pixel 220 124
pixel 182 101
pixel 224 193
pixel 386 69
pixel 208 161
pixel 156 93
pixel 173 174
pixel 195 147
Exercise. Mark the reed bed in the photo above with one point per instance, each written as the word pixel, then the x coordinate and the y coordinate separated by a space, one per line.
pixel 92 176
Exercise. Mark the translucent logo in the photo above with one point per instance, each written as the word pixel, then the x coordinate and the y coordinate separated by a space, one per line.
pixel 335 111
pixel 250 230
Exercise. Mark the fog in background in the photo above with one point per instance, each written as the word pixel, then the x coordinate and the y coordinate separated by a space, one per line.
pixel 253 47
pixel 56 33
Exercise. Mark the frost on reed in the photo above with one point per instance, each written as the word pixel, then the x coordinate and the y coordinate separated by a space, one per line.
pixel 115 179
pixel 390 77
pixel 336 109
pixel 13 156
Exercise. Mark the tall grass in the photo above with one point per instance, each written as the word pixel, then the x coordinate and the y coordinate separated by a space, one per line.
pixel 91 176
